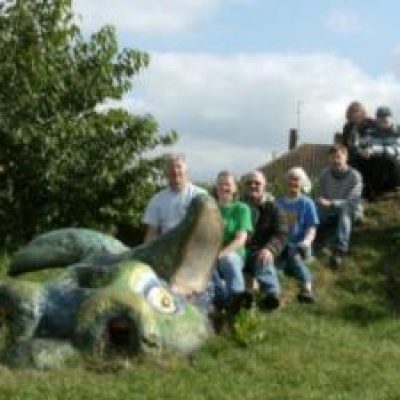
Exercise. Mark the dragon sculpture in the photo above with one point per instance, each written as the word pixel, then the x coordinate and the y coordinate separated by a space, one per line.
pixel 149 299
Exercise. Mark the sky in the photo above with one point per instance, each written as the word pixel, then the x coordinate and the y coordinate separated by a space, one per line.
pixel 233 76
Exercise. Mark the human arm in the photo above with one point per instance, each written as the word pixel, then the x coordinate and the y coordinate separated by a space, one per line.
pixel 339 191
pixel 152 220
pixel 275 234
pixel 309 237
pixel 390 148
pixel 311 223
pixel 353 192
pixel 380 143
pixel 237 243
pixel 237 228
pixel 151 233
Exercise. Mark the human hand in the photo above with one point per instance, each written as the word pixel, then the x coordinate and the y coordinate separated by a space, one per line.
pixel 222 253
pixel 265 256
pixel 324 202
pixel 366 152
pixel 303 249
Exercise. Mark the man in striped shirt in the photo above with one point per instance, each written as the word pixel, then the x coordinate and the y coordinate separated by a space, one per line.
pixel 339 201
pixel 379 155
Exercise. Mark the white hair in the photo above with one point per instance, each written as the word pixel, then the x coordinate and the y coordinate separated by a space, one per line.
pixel 170 158
pixel 305 181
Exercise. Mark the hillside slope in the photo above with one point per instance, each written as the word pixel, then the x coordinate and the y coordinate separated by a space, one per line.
pixel 346 346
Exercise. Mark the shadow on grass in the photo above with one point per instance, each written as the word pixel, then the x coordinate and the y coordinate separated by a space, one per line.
pixel 363 315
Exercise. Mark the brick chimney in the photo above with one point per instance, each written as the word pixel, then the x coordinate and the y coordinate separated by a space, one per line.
pixel 293 138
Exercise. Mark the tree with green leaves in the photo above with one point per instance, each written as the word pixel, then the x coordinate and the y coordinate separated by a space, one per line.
pixel 64 159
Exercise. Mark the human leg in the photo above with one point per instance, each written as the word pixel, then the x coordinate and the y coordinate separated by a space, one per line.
pixel 344 227
pixel 267 278
pixel 326 228
pixel 230 269
pixel 296 267
pixel 220 291
pixel 266 275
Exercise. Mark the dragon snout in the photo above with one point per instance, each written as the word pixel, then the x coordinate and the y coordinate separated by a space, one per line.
pixel 111 323
pixel 121 336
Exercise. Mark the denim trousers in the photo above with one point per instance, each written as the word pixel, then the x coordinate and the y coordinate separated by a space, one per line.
pixel 228 277
pixel 341 219
pixel 290 262
pixel 265 274
pixel 293 264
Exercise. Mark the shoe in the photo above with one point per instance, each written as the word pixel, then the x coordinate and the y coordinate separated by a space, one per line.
pixel 336 260
pixel 269 302
pixel 305 296
pixel 238 301
pixel 217 318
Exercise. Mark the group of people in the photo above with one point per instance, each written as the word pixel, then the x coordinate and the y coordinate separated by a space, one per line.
pixel 374 148
pixel 262 234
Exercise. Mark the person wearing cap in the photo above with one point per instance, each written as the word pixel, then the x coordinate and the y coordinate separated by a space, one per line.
pixel 267 241
pixel 168 207
pixel 379 155
pixel 338 202
pixel 302 220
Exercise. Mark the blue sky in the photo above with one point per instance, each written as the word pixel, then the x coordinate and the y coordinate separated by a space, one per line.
pixel 228 74
pixel 365 31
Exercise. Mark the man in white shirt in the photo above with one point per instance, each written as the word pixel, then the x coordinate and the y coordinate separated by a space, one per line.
pixel 168 207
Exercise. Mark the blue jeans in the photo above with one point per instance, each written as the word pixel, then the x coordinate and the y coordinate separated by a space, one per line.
pixel 293 264
pixel 228 277
pixel 266 275
pixel 341 219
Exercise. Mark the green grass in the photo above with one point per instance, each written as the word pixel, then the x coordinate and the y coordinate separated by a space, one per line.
pixel 346 346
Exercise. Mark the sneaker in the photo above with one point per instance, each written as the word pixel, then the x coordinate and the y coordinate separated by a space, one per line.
pixel 269 302
pixel 305 296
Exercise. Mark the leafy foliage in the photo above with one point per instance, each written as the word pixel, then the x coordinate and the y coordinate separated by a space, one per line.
pixel 65 160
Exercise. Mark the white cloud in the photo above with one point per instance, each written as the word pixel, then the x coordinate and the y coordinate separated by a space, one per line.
pixel 345 21
pixel 150 17
pixel 233 111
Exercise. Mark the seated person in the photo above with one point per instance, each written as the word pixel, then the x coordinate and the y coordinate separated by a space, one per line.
pixel 267 241
pixel 302 219
pixel 228 277
pixel 379 155
pixel 357 123
pixel 168 207
pixel 339 201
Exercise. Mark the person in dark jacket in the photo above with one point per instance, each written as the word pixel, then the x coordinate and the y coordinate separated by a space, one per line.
pixel 379 154
pixel 357 124
pixel 267 241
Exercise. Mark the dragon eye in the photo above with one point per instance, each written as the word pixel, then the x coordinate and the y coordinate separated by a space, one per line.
pixel 161 299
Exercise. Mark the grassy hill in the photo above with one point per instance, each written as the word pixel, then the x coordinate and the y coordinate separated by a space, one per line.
pixel 346 346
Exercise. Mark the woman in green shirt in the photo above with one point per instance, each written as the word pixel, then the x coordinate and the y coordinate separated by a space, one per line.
pixel 228 278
